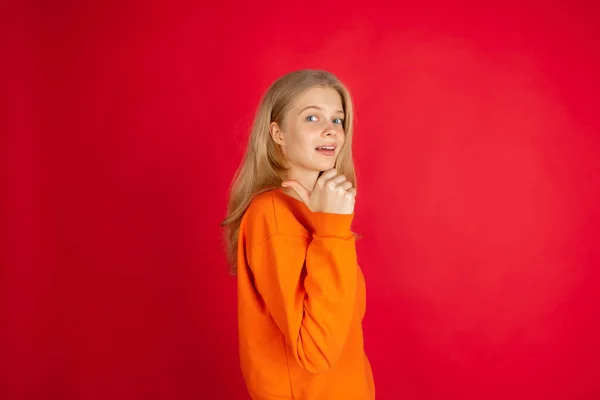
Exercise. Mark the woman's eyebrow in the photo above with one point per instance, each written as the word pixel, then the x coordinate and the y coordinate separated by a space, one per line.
pixel 318 108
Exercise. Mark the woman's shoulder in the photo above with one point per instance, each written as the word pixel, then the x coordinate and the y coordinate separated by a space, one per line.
pixel 274 212
pixel 262 206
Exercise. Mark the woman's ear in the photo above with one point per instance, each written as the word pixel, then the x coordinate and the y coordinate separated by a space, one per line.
pixel 276 133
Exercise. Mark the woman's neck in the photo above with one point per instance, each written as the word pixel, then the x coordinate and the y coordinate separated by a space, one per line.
pixel 305 178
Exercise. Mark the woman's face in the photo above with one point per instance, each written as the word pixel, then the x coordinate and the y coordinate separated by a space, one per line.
pixel 312 132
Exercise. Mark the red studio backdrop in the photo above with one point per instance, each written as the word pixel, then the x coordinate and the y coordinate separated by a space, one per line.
pixel 477 151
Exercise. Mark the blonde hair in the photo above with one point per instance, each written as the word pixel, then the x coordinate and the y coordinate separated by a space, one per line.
pixel 263 166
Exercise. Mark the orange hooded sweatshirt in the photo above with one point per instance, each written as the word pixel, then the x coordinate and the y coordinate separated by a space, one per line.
pixel 301 301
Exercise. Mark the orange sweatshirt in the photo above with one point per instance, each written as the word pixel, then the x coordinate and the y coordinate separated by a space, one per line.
pixel 301 301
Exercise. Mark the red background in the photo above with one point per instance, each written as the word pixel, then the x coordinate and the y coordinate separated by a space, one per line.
pixel 477 148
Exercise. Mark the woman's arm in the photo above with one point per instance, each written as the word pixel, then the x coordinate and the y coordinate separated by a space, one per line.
pixel 312 306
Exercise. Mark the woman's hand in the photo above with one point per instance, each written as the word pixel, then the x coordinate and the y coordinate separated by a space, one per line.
pixel 332 193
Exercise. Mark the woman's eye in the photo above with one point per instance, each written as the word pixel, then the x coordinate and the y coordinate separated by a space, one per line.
pixel 338 121
pixel 311 118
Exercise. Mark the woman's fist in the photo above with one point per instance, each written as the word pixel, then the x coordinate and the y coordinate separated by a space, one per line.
pixel 332 193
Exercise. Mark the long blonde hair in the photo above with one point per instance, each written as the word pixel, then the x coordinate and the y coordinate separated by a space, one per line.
pixel 263 166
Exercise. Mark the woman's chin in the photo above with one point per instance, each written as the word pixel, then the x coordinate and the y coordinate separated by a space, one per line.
pixel 326 166
pixel 320 166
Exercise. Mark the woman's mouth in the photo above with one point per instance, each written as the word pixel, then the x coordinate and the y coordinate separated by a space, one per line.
pixel 328 150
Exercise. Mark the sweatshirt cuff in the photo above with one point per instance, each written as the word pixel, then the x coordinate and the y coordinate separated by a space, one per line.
pixel 337 225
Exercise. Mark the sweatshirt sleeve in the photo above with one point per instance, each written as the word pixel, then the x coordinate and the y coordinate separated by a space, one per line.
pixel 312 306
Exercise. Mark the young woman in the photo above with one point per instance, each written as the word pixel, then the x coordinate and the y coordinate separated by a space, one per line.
pixel 301 293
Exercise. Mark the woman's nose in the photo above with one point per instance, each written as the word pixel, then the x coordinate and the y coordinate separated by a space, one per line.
pixel 330 130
